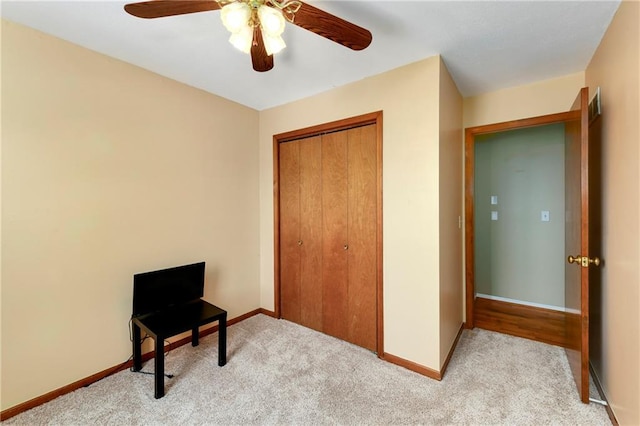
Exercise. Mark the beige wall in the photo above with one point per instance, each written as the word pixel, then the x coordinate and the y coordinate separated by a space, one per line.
pixel 615 68
pixel 409 98
pixel 1 173
pixel 450 235
pixel 109 170
pixel 531 100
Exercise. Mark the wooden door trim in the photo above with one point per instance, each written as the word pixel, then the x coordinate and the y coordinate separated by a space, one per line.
pixel 334 126
pixel 469 181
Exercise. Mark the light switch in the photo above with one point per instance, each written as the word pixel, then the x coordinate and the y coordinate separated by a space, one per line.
pixel 494 199
pixel 494 215
pixel 544 215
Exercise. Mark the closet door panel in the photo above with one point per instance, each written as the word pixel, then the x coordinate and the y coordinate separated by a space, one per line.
pixel 335 301
pixel 290 231
pixel 311 232
pixel 362 227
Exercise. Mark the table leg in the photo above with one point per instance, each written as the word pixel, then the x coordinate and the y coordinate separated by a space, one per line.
pixel 159 368
pixel 137 347
pixel 222 340
pixel 195 336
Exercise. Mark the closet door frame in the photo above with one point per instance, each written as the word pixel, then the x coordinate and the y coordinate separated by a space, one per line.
pixel 334 126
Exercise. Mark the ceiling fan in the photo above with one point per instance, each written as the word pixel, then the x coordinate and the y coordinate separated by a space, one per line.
pixel 256 26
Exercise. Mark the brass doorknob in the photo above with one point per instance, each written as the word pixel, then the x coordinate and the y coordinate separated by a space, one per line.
pixel 299 242
pixel 576 259
pixel 584 261
pixel 346 247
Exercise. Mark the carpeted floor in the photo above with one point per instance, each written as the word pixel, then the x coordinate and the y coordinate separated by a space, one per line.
pixel 282 373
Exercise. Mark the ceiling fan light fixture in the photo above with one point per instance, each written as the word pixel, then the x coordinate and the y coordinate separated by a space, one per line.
pixel 256 26
pixel 235 16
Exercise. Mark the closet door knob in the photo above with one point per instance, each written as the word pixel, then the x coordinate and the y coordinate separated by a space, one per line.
pixel 299 242
pixel 346 247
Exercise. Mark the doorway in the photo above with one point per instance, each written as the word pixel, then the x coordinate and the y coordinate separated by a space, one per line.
pixel 514 203
pixel 580 236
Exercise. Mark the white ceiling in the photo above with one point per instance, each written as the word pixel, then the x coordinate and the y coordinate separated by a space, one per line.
pixel 486 45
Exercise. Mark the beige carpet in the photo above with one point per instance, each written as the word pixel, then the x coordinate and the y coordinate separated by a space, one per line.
pixel 281 373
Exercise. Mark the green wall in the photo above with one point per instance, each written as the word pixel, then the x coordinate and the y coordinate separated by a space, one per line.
pixel 519 256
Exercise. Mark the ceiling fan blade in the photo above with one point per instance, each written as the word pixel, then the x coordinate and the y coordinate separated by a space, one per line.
pixel 261 61
pixel 160 8
pixel 329 26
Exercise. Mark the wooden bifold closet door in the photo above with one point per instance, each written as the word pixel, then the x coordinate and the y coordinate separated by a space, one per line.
pixel 328 232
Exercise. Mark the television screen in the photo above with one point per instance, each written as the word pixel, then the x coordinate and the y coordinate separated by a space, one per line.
pixel 157 290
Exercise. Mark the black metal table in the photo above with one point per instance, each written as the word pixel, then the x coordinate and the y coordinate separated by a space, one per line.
pixel 175 320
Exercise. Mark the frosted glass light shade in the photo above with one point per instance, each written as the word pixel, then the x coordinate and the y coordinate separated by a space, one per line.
pixel 242 39
pixel 271 20
pixel 235 16
pixel 272 44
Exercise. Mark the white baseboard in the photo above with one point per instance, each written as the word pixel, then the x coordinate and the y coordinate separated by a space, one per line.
pixel 521 302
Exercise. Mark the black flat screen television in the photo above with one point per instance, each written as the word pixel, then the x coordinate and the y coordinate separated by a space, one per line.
pixel 157 290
